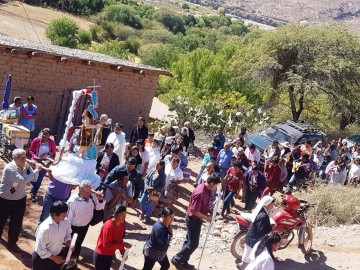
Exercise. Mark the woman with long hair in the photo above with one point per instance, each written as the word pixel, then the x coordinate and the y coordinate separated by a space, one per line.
pixel 158 242
pixel 262 257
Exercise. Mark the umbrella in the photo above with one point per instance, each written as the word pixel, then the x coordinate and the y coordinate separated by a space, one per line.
pixel 5 103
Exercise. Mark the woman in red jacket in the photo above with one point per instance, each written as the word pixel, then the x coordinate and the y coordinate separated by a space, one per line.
pixel 41 149
pixel 110 239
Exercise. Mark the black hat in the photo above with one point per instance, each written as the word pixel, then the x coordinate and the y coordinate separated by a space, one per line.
pixel 131 161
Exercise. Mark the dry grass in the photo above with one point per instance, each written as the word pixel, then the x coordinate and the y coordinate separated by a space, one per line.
pixel 335 205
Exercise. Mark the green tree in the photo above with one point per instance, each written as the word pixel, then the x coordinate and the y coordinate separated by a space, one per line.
pixel 170 19
pixel 84 38
pixel 62 32
pixel 159 55
pixel 122 13
pixel 113 48
pixel 306 60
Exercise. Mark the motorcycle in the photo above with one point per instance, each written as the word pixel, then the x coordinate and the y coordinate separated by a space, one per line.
pixel 292 217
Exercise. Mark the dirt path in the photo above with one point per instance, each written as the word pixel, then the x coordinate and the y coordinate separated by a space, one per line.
pixel 334 248
pixel 29 22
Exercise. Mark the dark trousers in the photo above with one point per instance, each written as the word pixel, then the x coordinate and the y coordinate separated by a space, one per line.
pixel 149 263
pixel 47 202
pixel 15 210
pixel 81 231
pixel 228 197
pixel 250 200
pixel 102 262
pixel 37 184
pixel 193 226
pixel 46 264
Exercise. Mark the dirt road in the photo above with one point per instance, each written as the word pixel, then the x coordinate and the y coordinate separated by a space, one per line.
pixel 334 248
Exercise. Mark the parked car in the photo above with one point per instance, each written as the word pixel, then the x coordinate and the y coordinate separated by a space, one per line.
pixel 352 140
pixel 289 131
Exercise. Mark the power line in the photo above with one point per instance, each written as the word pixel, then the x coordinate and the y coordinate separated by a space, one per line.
pixel 22 21
pixel 31 24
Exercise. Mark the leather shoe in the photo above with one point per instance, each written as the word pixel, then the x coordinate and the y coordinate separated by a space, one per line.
pixel 182 266
pixel 13 248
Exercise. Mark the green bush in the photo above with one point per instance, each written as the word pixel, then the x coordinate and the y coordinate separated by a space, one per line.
pixel 123 14
pixel 158 55
pixel 170 19
pixel 157 36
pixel 63 32
pixel 132 44
pixel 84 38
pixel 114 48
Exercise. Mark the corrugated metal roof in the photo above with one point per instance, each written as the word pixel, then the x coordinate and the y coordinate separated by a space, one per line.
pixel 15 43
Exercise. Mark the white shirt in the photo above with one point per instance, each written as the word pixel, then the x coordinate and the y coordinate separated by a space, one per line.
pixel 262 262
pixel 354 171
pixel 154 158
pixel 44 148
pixel 173 175
pixel 145 156
pixel 119 144
pixel 81 211
pixel 252 156
pixel 50 237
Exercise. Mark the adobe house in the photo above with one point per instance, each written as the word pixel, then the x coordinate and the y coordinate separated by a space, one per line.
pixel 50 74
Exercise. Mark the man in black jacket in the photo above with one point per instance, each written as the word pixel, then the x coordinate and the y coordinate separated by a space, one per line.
pixel 139 131
pixel 134 177
pixel 106 158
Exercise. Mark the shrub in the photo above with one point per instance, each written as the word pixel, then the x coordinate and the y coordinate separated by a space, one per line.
pixel 123 14
pixel 62 32
pixel 157 36
pixel 158 55
pixel 335 205
pixel 114 48
pixel 171 20
pixel 84 38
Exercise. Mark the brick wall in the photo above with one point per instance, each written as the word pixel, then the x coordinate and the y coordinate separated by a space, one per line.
pixel 124 95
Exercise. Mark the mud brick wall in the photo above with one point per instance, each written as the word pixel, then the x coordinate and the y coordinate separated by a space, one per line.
pixel 124 95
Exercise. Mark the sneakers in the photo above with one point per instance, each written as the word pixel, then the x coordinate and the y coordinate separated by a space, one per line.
pixel 182 266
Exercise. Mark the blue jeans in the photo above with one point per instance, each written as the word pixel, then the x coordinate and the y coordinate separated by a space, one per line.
pixel 227 200
pixel 37 184
pixel 292 182
pixel 47 202
pixel 193 226
pixel 146 205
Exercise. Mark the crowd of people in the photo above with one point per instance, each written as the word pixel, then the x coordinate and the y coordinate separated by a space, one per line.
pixel 145 173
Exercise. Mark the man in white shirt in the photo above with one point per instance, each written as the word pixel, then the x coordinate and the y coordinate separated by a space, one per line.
pixel 118 139
pixel 145 157
pixel 51 235
pixel 81 211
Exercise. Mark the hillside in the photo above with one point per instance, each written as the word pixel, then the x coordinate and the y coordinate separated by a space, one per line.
pixel 278 11
pixel 15 22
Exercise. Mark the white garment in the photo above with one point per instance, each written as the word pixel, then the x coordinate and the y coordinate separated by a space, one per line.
pixel 338 177
pixel 246 255
pixel 154 158
pixel 145 156
pixel 44 148
pixel 50 237
pixel 262 262
pixel 119 144
pixel 173 175
pixel 252 156
pixel 265 201
pixel 81 211
pixel 354 172
pixel 12 106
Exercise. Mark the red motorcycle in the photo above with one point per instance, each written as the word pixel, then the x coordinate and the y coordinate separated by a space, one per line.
pixel 291 217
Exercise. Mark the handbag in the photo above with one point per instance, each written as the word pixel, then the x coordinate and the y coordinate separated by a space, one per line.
pixel 154 195
pixel 97 216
